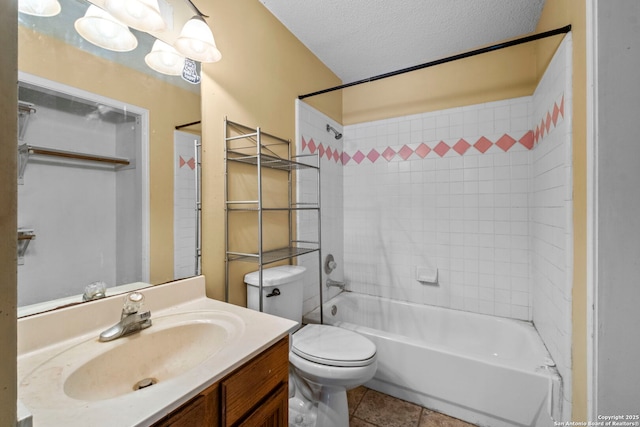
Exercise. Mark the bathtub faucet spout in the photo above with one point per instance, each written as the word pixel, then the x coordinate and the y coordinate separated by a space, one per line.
pixel 335 283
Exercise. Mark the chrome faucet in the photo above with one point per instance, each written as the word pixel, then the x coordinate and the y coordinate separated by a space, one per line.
pixel 131 319
pixel 335 283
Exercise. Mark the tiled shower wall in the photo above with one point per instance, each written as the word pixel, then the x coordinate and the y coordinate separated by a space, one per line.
pixel 551 210
pixel 482 193
pixel 184 204
pixel 312 128
pixel 446 190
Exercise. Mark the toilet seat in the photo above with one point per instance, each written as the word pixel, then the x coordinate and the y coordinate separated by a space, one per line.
pixel 333 346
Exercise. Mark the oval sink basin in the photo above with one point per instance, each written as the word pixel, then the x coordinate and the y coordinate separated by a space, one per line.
pixel 173 345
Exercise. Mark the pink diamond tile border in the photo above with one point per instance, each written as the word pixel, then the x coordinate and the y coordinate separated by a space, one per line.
pixel 505 142
pixel 311 145
pixel 549 121
pixel 191 163
pixel 345 158
pixel 405 152
pixel 423 150
pixel 388 154
pixel 529 139
pixel 483 144
pixel 555 114
pixel 441 149
pixel 461 146
pixel 358 157
pixel 373 155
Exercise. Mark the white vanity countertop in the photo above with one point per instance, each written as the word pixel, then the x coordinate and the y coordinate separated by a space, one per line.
pixel 42 337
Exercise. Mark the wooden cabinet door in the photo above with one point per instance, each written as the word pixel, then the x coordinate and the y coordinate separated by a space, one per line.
pixel 255 384
pixel 272 413
pixel 201 411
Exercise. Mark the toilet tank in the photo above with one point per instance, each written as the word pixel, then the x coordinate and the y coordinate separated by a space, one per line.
pixel 282 291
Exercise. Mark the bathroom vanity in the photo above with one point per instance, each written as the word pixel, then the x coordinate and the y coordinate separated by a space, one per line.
pixel 253 395
pixel 202 362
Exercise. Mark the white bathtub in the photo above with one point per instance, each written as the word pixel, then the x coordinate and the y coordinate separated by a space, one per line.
pixel 486 370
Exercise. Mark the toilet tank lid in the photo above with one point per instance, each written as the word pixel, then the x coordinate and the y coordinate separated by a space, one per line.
pixel 275 276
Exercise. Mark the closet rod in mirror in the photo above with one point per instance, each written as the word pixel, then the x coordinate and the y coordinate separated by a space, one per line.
pixel 76 156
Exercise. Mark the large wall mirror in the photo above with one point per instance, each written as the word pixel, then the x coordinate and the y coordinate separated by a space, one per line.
pixel 108 188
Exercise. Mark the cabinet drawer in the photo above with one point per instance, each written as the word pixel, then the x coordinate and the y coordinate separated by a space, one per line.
pixel 202 410
pixel 254 382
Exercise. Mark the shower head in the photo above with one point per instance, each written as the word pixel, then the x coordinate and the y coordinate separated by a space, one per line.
pixel 331 129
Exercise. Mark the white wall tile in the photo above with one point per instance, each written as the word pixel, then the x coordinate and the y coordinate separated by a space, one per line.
pixel 550 217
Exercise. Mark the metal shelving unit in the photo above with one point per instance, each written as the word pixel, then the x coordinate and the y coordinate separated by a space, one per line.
pixel 258 149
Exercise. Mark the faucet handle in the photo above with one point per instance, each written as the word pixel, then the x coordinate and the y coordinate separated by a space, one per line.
pixel 133 302
pixel 95 290
pixel 329 264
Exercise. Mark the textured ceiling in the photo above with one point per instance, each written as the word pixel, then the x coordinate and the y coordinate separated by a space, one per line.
pixel 358 39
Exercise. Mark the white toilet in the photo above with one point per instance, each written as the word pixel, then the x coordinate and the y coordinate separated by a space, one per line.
pixel 325 361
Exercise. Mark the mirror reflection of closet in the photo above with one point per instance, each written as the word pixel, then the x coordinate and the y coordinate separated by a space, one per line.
pixel 82 192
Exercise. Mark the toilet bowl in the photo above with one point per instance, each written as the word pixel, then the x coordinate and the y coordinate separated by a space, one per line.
pixel 325 361
pixel 332 360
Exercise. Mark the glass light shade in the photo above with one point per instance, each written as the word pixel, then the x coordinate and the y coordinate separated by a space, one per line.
pixel 164 59
pixel 103 30
pixel 143 15
pixel 196 41
pixel 39 7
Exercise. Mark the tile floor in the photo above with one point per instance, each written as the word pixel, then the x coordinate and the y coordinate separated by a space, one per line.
pixel 369 408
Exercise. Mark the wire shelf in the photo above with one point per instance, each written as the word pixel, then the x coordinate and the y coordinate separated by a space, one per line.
pixel 271 256
pixel 268 161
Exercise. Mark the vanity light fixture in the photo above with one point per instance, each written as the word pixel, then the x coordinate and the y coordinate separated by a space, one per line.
pixel 143 15
pixel 44 8
pixel 164 59
pixel 103 30
pixel 196 41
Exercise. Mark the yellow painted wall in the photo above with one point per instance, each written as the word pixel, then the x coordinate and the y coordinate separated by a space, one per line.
pixel 263 70
pixel 558 13
pixel 169 106
pixel 8 212
pixel 494 76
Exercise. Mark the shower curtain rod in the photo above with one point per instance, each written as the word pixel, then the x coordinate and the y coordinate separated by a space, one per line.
pixel 562 30
pixel 187 125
